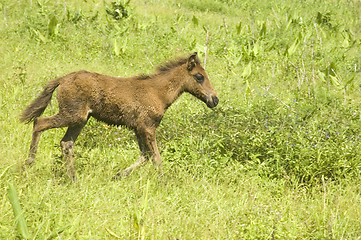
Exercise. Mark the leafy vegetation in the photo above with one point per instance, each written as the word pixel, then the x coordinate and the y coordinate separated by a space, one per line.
pixel 277 159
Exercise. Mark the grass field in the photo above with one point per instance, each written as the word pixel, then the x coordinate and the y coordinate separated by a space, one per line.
pixel 278 158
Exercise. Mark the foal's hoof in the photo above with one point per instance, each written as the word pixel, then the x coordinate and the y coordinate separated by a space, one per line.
pixel 118 176
pixel 29 161
pixel 72 175
pixel 73 179
pixel 122 174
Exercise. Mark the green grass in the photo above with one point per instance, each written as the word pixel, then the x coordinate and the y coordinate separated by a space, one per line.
pixel 277 159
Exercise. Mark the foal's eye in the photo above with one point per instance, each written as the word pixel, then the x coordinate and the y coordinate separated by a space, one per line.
pixel 199 77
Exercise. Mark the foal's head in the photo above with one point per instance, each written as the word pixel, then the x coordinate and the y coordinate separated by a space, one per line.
pixel 197 82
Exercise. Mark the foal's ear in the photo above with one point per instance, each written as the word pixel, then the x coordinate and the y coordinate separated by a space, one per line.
pixel 192 61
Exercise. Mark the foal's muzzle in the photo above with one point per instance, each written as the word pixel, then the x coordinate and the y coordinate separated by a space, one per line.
pixel 212 101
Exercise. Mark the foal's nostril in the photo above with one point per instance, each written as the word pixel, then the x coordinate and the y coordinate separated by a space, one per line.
pixel 211 101
pixel 215 100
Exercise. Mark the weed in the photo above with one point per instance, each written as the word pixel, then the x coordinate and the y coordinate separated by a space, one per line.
pixel 278 158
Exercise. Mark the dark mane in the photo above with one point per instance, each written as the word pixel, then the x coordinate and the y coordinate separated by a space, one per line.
pixel 166 67
pixel 169 65
pixel 143 77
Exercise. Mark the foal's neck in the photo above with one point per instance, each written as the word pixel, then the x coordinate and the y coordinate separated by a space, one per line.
pixel 171 85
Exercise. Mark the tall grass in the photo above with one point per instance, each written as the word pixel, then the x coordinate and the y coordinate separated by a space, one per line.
pixel 277 159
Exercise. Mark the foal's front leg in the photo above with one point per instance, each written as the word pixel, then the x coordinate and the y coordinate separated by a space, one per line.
pixel 149 150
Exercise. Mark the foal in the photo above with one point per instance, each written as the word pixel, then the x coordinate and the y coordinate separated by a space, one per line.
pixel 137 102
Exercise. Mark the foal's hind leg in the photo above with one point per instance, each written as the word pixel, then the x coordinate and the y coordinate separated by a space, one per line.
pixel 33 146
pixel 67 147
pixel 40 125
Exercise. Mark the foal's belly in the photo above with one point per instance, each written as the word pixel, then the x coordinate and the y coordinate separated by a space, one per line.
pixel 115 115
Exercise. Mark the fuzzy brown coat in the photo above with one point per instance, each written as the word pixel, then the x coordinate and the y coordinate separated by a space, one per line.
pixel 137 102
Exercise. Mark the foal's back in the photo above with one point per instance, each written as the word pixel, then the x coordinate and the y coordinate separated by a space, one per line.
pixel 114 100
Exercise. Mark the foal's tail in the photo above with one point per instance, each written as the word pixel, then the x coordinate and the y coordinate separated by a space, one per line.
pixel 37 107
